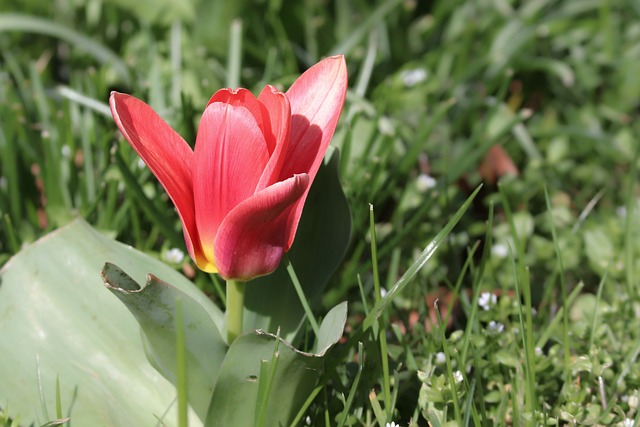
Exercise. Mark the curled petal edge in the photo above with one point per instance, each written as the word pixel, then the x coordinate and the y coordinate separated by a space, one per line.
pixel 253 238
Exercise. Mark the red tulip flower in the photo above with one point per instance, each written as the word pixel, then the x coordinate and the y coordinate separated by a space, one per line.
pixel 241 191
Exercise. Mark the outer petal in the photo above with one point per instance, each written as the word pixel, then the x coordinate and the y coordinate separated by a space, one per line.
pixel 277 111
pixel 253 238
pixel 316 98
pixel 230 155
pixel 168 156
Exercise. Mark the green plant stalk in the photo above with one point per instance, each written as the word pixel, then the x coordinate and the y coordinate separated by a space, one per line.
pixel 471 323
pixel 629 240
pixel 181 369
pixel 305 406
pixel 447 358
pixel 9 164
pixel 234 62
pixel 378 412
pixel 530 383
pixel 58 399
pixel 12 240
pixel 302 297
pixel 362 296
pixel 310 32
pixel 478 380
pixel 523 288
pixel 235 309
pixel 469 409
pixel 382 331
pixel 563 286
pixel 546 335
pixel 594 323
pixel 176 61
pixel 265 381
pixel 354 387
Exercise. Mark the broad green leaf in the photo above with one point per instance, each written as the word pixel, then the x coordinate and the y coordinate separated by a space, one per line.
pixel 58 320
pixel 599 248
pixel 332 328
pixel 321 241
pixel 154 306
pixel 291 375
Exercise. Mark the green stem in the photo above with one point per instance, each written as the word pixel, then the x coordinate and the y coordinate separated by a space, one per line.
pixel 235 309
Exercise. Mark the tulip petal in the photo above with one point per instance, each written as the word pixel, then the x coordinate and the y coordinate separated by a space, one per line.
pixel 240 97
pixel 166 154
pixel 316 98
pixel 230 155
pixel 276 107
pixel 253 238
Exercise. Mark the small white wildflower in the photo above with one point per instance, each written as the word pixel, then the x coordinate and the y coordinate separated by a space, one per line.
pixel 633 401
pixel 308 420
pixel 66 151
pixel 385 126
pixel 174 256
pixel 499 250
pixel 383 292
pixel 425 182
pixel 495 327
pixel 621 211
pixel 538 351
pixel 392 424
pixel 486 300
pixel 440 358
pixel 413 77
pixel 141 164
pixel 457 376
pixel 628 422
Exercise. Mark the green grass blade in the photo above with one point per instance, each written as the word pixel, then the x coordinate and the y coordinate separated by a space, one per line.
pixel 563 285
pixel 424 257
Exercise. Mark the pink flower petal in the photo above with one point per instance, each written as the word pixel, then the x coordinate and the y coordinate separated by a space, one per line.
pixel 316 98
pixel 230 156
pixel 241 98
pixel 166 154
pixel 276 108
pixel 253 237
